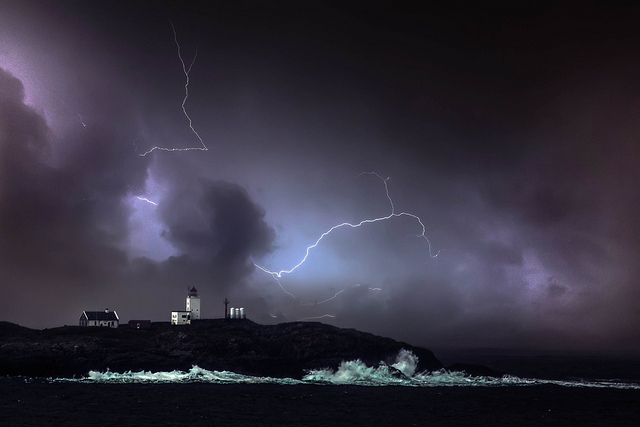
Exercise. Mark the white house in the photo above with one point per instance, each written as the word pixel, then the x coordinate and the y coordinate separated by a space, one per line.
pixel 104 318
pixel 180 317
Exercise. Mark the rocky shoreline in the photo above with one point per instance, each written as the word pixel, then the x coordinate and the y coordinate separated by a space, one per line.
pixel 242 346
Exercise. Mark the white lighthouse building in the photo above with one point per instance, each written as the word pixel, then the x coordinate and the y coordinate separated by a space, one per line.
pixel 193 304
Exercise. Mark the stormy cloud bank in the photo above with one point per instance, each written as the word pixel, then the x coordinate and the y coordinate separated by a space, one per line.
pixel 511 132
pixel 64 227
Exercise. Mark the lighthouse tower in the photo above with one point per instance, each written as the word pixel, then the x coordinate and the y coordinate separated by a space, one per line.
pixel 193 303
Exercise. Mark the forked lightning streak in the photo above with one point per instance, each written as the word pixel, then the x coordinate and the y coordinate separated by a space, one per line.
pixel 144 199
pixel 184 101
pixel 277 275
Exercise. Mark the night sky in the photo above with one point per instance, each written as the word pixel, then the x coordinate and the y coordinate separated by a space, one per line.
pixel 511 131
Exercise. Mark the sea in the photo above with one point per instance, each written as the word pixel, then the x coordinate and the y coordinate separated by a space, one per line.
pixel 401 373
pixel 353 394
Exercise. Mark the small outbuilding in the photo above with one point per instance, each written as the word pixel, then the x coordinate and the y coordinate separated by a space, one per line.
pixel 181 317
pixel 104 318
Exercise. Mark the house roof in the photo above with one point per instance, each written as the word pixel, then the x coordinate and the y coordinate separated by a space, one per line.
pixel 100 315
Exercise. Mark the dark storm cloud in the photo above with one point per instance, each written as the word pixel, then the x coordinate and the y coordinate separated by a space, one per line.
pixel 55 222
pixel 64 227
pixel 221 227
pixel 511 131
pixel 526 151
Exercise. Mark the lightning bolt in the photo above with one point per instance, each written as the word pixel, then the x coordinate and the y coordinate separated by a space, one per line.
pixel 324 301
pixel 357 285
pixel 184 101
pixel 317 317
pixel 277 279
pixel 277 275
pixel 144 199
pixel 393 214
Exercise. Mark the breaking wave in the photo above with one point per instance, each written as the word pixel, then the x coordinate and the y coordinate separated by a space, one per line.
pixel 354 372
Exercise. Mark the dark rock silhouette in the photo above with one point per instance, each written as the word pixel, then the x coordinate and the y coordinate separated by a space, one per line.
pixel 242 346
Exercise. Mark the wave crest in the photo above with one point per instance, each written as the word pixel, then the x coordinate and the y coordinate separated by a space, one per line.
pixel 353 372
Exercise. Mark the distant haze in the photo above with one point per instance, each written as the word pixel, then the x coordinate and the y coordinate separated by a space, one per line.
pixel 511 131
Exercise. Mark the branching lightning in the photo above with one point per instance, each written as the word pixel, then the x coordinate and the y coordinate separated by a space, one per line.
pixel 184 101
pixel 422 234
pixel 144 199
pixel 317 317
pixel 277 275
pixel 324 301
pixel 357 285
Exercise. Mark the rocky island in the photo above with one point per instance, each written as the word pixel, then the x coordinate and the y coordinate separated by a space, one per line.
pixel 242 346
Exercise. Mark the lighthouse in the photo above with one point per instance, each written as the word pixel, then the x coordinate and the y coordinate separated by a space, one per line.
pixel 193 303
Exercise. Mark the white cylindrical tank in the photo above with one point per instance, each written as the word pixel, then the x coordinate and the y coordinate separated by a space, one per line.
pixel 232 313
pixel 237 313
pixel 242 312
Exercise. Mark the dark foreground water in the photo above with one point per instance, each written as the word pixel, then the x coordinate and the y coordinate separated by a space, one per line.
pixel 40 402
pixel 354 394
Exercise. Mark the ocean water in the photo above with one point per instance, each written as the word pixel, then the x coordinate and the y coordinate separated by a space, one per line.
pixel 401 373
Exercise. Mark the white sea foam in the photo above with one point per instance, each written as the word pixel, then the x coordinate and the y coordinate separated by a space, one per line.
pixel 195 374
pixel 354 372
